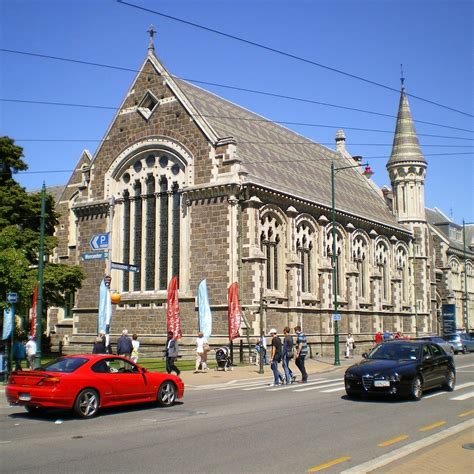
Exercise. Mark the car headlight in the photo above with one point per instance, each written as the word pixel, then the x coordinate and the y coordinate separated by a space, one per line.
pixel 395 377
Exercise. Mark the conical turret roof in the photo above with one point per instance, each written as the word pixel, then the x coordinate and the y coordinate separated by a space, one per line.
pixel 405 142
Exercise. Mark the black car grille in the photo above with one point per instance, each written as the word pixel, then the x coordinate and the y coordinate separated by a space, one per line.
pixel 368 381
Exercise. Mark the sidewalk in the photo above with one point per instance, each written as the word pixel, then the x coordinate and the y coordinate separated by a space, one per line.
pixel 249 372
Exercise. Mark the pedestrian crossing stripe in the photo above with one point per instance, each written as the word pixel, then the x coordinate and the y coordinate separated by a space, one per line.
pixel 329 385
pixel 458 387
pixel 464 396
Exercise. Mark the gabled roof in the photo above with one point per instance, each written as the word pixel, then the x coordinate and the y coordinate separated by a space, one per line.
pixel 283 160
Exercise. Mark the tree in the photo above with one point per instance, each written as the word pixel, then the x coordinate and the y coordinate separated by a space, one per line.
pixel 19 239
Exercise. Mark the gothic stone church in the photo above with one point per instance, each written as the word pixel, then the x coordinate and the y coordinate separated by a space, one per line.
pixel 192 185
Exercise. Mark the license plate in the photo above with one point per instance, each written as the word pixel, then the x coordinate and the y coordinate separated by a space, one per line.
pixel 24 397
pixel 382 383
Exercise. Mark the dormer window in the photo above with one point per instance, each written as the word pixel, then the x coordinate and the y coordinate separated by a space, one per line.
pixel 148 105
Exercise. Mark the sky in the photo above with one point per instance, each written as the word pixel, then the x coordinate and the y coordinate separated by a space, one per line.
pixel 433 39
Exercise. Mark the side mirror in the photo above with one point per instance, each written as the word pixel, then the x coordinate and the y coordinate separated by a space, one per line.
pixel 365 355
pixel 144 370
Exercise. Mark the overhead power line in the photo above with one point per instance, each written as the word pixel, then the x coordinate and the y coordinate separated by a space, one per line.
pixel 282 122
pixel 77 140
pixel 289 55
pixel 227 86
pixel 366 158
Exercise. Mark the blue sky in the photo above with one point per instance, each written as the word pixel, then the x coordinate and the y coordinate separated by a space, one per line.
pixel 433 39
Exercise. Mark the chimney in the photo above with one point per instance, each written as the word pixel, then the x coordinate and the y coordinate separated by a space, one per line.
pixel 340 141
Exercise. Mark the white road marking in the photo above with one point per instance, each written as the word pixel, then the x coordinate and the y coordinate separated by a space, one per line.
pixel 458 387
pixel 321 386
pixel 465 366
pixel 395 455
pixel 333 390
pixel 286 387
pixel 5 442
pixel 243 385
pixel 464 396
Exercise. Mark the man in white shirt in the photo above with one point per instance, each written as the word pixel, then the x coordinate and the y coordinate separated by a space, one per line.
pixel 31 352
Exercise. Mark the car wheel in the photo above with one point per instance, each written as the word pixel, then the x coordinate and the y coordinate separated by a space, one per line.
pixel 416 389
pixel 33 410
pixel 87 403
pixel 464 350
pixel 450 382
pixel 166 394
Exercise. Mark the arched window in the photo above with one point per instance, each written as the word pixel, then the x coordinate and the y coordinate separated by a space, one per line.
pixel 402 265
pixel 305 245
pixel 359 256
pixel 339 258
pixel 382 262
pixel 271 246
pixel 148 218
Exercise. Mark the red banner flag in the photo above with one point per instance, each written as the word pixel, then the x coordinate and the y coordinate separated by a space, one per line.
pixel 234 313
pixel 173 320
pixel 33 312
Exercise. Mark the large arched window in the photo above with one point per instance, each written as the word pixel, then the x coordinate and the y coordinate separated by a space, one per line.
pixel 360 257
pixel 147 230
pixel 401 261
pixel 339 260
pixel 272 247
pixel 382 261
pixel 305 247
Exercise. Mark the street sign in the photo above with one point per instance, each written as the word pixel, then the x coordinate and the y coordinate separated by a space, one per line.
pixel 12 297
pixel 94 256
pixel 125 267
pixel 336 317
pixel 99 241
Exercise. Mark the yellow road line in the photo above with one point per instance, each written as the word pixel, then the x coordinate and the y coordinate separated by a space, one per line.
pixel 329 464
pixel 432 426
pixel 393 441
pixel 466 413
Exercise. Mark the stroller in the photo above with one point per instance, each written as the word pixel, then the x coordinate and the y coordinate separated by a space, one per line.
pixel 223 359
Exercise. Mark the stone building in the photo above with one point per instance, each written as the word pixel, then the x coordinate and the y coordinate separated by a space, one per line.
pixel 192 185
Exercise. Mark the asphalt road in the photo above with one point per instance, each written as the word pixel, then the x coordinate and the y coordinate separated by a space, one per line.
pixel 234 427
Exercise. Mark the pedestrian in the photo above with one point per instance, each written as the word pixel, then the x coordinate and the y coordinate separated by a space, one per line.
pixel 275 358
pixel 263 345
pixel 99 346
pixel 19 353
pixel 386 336
pixel 287 355
pixel 378 337
pixel 135 347
pixel 301 352
pixel 172 350
pixel 350 346
pixel 30 349
pixel 202 348
pixel 124 345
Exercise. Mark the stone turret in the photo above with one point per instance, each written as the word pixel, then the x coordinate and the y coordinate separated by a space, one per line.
pixel 407 168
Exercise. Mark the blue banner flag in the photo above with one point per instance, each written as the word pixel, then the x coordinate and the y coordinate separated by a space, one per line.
pixel 205 316
pixel 7 322
pixel 105 307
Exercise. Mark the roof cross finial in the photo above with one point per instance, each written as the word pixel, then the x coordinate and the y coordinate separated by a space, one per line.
pixel 151 44
pixel 402 79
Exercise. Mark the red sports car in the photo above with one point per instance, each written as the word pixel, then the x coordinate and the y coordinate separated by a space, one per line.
pixel 86 383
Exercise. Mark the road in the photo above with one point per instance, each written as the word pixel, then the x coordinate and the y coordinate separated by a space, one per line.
pixel 239 427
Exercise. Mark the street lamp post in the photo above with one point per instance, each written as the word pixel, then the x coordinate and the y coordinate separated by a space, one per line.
pixel 367 173
pixel 466 293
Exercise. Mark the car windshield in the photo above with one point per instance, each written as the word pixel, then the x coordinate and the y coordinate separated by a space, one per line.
pixel 64 364
pixel 452 337
pixel 395 352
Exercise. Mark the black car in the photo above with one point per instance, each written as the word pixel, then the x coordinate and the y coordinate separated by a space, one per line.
pixel 401 368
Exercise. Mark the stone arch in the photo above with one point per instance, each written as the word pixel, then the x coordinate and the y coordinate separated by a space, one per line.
pixel 307 249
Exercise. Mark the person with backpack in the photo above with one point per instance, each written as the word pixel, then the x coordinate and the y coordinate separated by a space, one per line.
pixel 287 355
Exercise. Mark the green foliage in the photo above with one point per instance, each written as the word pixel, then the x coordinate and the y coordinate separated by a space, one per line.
pixel 20 214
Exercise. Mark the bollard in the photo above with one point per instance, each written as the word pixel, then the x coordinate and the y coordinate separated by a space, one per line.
pixel 241 351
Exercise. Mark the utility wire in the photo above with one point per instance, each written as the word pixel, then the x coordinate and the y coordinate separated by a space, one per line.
pixel 244 142
pixel 225 86
pixel 250 162
pixel 282 122
pixel 289 55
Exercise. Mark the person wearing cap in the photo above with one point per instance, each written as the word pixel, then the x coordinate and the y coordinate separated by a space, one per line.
pixel 275 358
